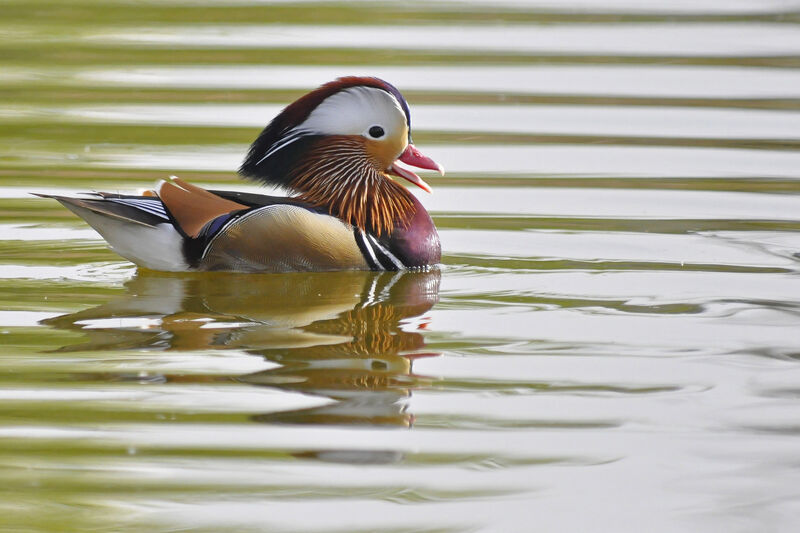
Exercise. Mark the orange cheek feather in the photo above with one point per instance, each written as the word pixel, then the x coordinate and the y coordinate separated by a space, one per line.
pixel 385 152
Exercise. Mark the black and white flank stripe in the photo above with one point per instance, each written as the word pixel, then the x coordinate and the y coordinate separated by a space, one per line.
pixel 378 256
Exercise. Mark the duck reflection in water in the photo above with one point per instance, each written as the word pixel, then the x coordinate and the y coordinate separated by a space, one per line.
pixel 349 336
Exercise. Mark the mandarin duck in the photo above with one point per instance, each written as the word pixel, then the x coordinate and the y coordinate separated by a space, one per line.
pixel 333 150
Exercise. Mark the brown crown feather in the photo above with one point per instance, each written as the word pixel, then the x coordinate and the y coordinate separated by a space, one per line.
pixel 338 174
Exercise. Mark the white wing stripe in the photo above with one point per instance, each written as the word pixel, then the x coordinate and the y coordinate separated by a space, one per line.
pixel 151 205
pixel 154 207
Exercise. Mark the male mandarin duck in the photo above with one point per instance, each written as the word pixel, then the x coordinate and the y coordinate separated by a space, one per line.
pixel 333 151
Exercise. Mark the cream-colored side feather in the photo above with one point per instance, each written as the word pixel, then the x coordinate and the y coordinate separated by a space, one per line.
pixel 284 238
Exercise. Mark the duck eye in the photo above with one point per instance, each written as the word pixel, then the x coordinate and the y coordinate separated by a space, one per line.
pixel 376 132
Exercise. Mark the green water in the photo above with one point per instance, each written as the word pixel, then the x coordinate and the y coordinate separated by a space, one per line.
pixel 611 343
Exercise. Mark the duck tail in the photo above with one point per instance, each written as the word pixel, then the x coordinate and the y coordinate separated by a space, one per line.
pixel 137 228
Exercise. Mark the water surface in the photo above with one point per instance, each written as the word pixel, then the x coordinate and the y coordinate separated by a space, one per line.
pixel 610 344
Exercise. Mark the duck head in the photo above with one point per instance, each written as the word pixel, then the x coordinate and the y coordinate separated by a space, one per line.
pixel 336 148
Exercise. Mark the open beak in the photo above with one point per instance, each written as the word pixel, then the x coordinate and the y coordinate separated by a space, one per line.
pixel 412 156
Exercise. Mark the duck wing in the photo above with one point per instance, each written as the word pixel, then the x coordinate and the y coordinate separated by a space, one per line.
pixel 193 207
pixel 142 210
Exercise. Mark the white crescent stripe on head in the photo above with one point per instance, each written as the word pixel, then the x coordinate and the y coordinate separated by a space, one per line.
pixel 293 136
